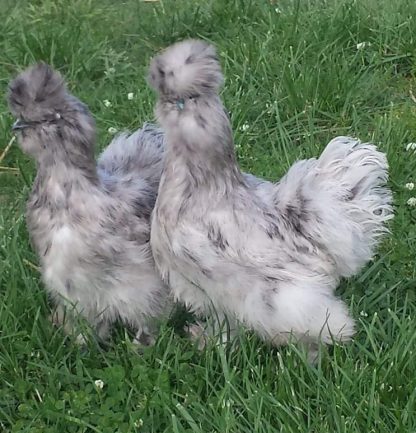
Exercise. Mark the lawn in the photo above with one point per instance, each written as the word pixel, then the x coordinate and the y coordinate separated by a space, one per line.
pixel 298 73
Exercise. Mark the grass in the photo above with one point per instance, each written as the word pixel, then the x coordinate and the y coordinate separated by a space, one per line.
pixel 294 79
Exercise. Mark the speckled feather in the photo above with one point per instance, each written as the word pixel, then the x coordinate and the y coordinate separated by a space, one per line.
pixel 89 222
pixel 268 255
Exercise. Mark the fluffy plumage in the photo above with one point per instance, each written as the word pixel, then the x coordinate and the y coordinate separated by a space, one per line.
pixel 90 224
pixel 269 255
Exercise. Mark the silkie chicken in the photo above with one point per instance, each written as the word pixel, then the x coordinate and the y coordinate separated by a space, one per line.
pixel 89 222
pixel 266 255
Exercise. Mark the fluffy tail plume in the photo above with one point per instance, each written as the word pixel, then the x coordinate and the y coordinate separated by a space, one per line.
pixel 340 200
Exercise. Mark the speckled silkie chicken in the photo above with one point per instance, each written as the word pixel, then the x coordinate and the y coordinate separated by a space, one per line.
pixel 269 255
pixel 89 222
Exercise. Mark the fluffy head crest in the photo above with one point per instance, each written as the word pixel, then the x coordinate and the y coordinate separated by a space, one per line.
pixel 49 119
pixel 186 69
pixel 37 93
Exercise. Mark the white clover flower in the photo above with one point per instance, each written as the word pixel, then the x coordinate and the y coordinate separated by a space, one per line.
pixel 411 146
pixel 130 96
pixel 112 130
pixel 244 127
pixel 269 107
pixel 111 70
pixel 99 384
pixel 107 103
pixel 410 186
pixel 138 423
pixel 411 201
pixel 362 45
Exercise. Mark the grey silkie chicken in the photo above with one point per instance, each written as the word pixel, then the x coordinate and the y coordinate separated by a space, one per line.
pixel 267 255
pixel 89 222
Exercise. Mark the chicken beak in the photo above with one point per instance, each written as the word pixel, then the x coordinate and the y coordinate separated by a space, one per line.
pixel 19 125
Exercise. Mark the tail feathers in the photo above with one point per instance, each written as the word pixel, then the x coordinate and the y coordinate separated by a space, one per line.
pixel 186 69
pixel 341 201
pixel 137 155
pixel 356 173
pixel 131 166
pixel 37 91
